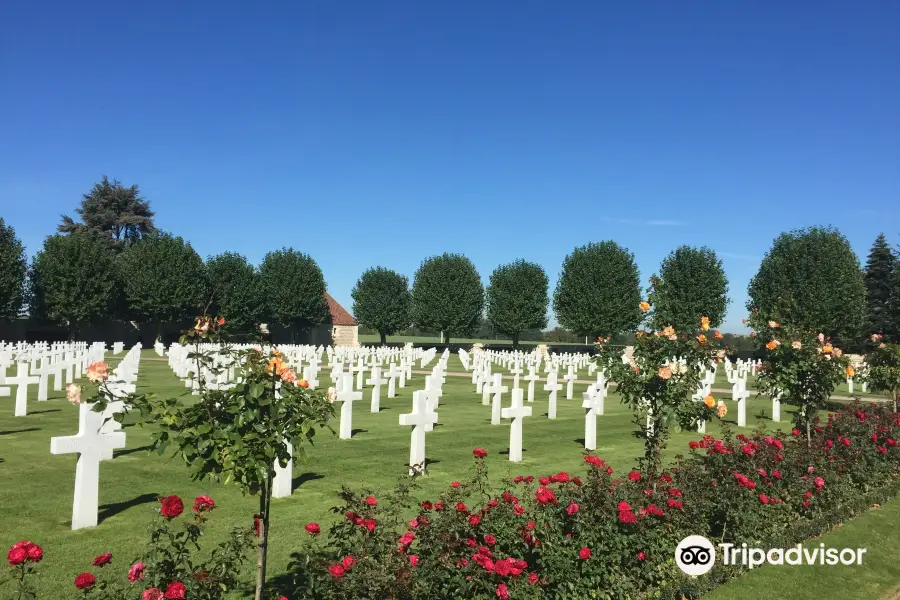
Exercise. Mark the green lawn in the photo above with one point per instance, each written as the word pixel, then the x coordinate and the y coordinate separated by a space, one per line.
pixel 877 577
pixel 366 338
pixel 36 488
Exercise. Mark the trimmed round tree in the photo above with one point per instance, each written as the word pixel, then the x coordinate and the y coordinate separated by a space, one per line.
pixel 691 284
pixel 811 279
pixel 447 296
pixel 12 272
pixel 381 301
pixel 234 291
pixel 163 280
pixel 599 293
pixel 73 280
pixel 294 289
pixel 517 298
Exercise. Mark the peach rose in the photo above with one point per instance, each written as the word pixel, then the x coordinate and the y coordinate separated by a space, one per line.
pixel 73 393
pixel 331 395
pixel 796 345
pixel 98 371
pixel 709 401
pixel 645 306
pixel 704 323
pixel 665 373
pixel 721 409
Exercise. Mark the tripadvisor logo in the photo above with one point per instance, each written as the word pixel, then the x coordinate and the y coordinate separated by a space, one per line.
pixel 695 555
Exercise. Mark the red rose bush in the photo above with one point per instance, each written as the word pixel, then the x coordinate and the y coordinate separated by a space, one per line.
pixel 597 534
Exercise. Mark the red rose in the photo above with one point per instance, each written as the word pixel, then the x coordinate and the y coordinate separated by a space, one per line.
pixel 846 442
pixel 85 581
pixel 203 504
pixel 103 559
pixel 502 591
pixel 519 509
pixel 628 517
pixel 336 570
pixel 175 591
pixel 623 506
pixel 763 498
pixel 313 528
pixel 479 452
pixel 471 542
pixel 454 484
pixel 414 560
pixel 544 481
pixel 370 500
pixel 593 460
pixel 35 552
pixel 474 520
pixel 152 594
pixel 426 505
pixel 576 481
pixel 641 556
pixel 572 509
pixel 634 476
pixel 795 432
pixel 561 477
pixel 369 524
pixel 16 556
pixel 584 553
pixel 533 578
pixel 348 561
pixel 460 507
pixel 490 540
pixel 136 572
pixel 172 506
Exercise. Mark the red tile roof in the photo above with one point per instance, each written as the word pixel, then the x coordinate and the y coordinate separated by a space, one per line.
pixel 339 315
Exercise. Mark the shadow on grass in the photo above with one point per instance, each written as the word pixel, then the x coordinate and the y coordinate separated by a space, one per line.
pixel 127 451
pixel 303 478
pixel 15 431
pixel 506 452
pixel 110 510
pixel 41 412
pixel 354 432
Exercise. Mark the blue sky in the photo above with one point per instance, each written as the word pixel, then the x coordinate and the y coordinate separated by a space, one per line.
pixel 379 133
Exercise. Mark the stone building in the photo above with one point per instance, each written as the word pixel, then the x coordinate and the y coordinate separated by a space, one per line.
pixel 344 328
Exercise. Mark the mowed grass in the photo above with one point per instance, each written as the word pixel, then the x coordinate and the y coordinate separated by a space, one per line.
pixel 368 338
pixel 36 487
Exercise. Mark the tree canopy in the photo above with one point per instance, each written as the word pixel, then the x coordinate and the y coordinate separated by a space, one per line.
pixel 599 292
pixel 381 301
pixel 163 280
pixel 234 291
pixel 294 289
pixel 517 298
pixel 691 284
pixel 113 211
pixel 811 279
pixel 12 272
pixel 881 279
pixel 73 280
pixel 447 295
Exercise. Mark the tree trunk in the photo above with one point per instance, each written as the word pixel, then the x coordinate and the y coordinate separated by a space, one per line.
pixel 265 501
pixel 383 338
pixel 515 340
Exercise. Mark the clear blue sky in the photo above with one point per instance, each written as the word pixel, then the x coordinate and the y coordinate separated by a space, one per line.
pixel 379 133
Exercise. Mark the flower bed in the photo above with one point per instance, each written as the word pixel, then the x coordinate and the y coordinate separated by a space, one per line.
pixel 603 534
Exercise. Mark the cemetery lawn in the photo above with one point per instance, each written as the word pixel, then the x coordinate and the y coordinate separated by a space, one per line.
pixel 877 578
pixel 36 487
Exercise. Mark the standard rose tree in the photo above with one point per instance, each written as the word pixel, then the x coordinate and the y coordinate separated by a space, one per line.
pixel 232 434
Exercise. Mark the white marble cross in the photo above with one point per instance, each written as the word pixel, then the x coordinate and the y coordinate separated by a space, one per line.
pixel 311 374
pixel 282 484
pixel 570 378
pixel 497 389
pixel 517 411
pixel 92 446
pixel 516 370
pixel 740 394
pixel 776 408
pixel 22 380
pixel 346 396
pixel 376 381
pixel 360 373
pixel 850 384
pixel 419 419
pixel 404 371
pixel 531 377
pixel 593 402
pixel 552 386
pixel 392 375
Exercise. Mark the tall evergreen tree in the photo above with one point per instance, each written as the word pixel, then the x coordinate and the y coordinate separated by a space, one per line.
pixel 880 278
pixel 113 211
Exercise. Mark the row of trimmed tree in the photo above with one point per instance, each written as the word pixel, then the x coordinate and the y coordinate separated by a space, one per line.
pixel 113 263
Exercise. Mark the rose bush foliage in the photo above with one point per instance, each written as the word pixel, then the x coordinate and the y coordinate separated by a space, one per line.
pixel 602 534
